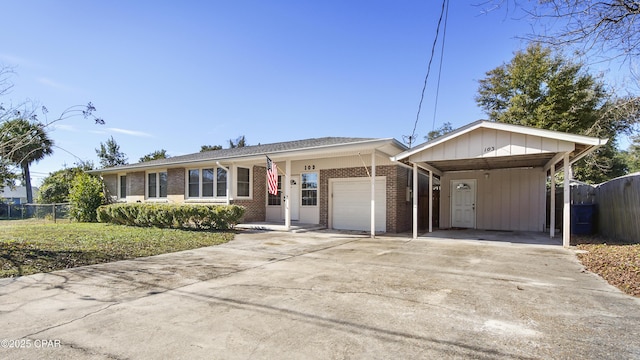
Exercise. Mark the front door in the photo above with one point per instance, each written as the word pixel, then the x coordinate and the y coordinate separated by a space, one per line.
pixel 463 203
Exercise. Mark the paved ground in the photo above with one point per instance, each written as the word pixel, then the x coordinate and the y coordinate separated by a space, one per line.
pixel 324 295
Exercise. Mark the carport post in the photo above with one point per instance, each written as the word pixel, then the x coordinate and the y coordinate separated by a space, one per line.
pixel 552 203
pixel 287 193
pixel 566 220
pixel 414 192
pixel 373 194
pixel 430 201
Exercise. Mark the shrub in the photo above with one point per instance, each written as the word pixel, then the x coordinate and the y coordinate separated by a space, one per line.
pixel 213 217
pixel 85 197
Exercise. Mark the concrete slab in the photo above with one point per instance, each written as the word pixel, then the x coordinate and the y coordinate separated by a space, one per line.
pixel 514 237
pixel 322 295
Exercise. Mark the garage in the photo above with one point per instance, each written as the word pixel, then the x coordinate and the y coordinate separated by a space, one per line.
pixel 351 204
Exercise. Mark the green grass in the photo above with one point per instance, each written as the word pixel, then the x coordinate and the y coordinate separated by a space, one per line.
pixel 29 247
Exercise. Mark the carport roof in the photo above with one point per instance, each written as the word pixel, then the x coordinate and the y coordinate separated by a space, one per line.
pixel 486 145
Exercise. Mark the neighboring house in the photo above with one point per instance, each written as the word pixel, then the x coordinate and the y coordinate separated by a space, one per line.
pixel 16 195
pixel 485 175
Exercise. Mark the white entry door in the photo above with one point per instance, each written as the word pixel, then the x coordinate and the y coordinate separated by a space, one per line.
pixel 294 198
pixel 463 203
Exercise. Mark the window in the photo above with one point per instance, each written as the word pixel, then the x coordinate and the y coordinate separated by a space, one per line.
pixel 157 185
pixel 162 176
pixel 276 199
pixel 207 183
pixel 221 184
pixel 243 182
pixel 123 187
pixel 194 183
pixel 310 189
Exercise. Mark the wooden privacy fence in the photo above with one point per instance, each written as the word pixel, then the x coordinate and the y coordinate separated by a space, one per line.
pixel 619 208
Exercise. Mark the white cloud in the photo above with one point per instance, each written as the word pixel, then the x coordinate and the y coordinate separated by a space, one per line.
pixel 130 132
pixel 51 83
pixel 65 127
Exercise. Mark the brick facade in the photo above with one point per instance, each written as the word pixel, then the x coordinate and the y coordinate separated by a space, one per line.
pixel 256 209
pixel 135 183
pixel 398 215
pixel 111 183
pixel 176 184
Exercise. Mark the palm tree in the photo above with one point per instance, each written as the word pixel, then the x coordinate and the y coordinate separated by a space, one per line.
pixel 22 142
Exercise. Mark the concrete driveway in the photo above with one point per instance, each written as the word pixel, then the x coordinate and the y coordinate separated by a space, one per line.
pixel 324 295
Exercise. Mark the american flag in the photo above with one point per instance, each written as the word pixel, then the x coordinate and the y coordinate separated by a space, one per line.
pixel 272 177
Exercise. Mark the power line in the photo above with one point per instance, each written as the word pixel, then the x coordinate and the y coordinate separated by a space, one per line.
pixel 444 37
pixel 411 138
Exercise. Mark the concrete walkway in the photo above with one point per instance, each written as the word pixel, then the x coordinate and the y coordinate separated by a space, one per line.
pixel 324 295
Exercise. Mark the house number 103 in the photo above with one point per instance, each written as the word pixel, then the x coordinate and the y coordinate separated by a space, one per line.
pixel 309 167
pixel 489 149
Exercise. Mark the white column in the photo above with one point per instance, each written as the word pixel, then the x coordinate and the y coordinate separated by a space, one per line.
pixel 552 203
pixel 566 221
pixel 287 191
pixel 230 183
pixel 414 193
pixel 430 201
pixel 373 194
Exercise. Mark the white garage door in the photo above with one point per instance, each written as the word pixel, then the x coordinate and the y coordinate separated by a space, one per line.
pixel 351 206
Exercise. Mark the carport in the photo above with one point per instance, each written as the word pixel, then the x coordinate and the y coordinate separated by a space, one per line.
pixel 494 176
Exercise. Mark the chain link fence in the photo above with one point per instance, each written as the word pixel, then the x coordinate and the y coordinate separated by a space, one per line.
pixel 51 212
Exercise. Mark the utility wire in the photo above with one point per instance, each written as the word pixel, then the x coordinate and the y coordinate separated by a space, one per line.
pixel 444 37
pixel 424 87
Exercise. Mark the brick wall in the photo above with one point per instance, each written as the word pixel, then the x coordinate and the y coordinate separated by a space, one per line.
pixel 135 183
pixel 111 183
pixel 398 215
pixel 175 184
pixel 256 207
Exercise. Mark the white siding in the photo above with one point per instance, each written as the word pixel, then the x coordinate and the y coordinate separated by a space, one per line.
pixel 510 199
pixel 491 143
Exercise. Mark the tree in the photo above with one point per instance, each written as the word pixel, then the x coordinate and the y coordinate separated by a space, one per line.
pixel 22 143
pixel 37 117
pixel 238 143
pixel 545 90
pixel 609 27
pixel 540 89
pixel 443 130
pixel 109 154
pixel 85 196
pixel 632 155
pixel 55 188
pixel 158 154
pixel 204 148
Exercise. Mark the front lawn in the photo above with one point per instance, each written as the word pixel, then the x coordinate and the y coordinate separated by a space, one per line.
pixel 29 247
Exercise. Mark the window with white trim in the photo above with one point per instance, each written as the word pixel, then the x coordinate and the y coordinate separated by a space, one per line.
pixel 194 183
pixel 221 182
pixel 122 187
pixel 309 189
pixel 243 182
pixel 206 183
pixel 157 184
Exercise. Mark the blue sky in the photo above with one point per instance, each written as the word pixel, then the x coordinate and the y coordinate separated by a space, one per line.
pixel 177 75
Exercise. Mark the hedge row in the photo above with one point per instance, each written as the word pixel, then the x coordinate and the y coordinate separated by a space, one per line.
pixel 215 217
